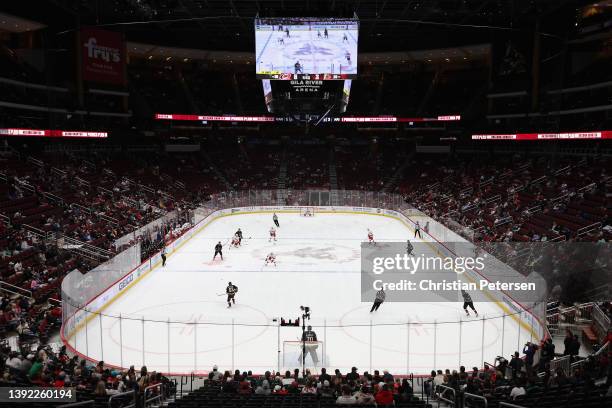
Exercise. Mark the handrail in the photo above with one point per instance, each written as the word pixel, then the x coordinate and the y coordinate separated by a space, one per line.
pixel 105 190
pixel 508 405
pixel 58 171
pixel 89 211
pixel 82 182
pixel 37 231
pixel 538 180
pixel 588 228
pixel 35 162
pixel 85 245
pixel 109 219
pixel 474 396
pixel 53 197
pixel 4 219
pixel 123 394
pixel 503 221
pixel 587 187
pixel 15 289
pixel 490 200
pixel 159 397
pixel 89 403
pixel 441 398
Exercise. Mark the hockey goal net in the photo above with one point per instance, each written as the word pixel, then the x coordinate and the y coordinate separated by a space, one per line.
pixel 307 211
pixel 292 354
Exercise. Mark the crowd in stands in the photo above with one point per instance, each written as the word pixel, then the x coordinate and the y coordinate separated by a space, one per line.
pixel 353 388
pixel 527 200
pixel 47 366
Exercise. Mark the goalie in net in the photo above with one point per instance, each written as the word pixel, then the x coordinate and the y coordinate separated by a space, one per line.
pixel 307 211
pixel 309 346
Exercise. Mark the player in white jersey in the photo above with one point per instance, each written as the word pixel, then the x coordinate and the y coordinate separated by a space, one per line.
pixel 235 241
pixel 371 237
pixel 272 234
pixel 271 259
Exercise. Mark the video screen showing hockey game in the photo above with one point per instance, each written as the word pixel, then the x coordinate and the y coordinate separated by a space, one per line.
pixel 306 48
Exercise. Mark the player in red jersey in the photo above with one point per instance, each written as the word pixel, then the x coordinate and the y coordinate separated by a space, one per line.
pixel 272 234
pixel 371 237
pixel 271 259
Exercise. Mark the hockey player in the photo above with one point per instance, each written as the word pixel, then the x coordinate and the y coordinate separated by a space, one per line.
pixel 325 34
pixel 409 247
pixel 235 241
pixel 309 336
pixel 319 34
pixel 287 32
pixel 163 255
pixel 467 302
pixel 231 291
pixel 347 55
pixel 344 38
pixel 371 237
pixel 218 250
pixel 239 235
pixel 272 234
pixel 417 230
pixel 271 259
pixel 275 219
pixel 380 298
pixel 426 227
pixel 297 68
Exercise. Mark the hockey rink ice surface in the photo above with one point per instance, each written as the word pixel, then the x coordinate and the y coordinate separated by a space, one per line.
pixel 318 265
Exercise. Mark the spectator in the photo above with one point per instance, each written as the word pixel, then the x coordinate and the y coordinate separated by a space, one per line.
pixel 326 391
pixel 346 398
pixel 517 391
pixel 364 396
pixel 384 397
pixel 529 350
pixel 324 376
pixel 516 364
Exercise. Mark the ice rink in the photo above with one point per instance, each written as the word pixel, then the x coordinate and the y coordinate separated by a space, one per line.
pixel 318 265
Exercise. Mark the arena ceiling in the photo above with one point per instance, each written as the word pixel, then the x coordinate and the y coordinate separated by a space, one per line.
pixel 386 25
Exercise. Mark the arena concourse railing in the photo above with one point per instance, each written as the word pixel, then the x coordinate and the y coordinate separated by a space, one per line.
pixel 179 347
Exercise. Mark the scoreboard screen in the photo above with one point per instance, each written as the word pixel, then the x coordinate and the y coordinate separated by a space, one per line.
pixel 306 48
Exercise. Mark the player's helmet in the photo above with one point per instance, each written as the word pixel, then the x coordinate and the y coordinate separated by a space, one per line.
pixel 309 327
pixel 229 283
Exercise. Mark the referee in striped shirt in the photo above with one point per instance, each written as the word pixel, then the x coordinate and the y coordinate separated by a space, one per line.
pixel 380 298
